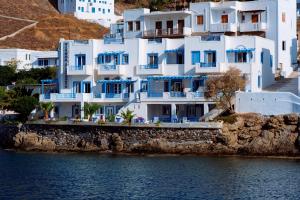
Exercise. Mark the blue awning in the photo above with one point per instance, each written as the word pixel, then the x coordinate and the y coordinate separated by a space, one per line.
pixel 180 50
pixel 173 77
pixel 113 52
pixel 240 50
pixel 115 81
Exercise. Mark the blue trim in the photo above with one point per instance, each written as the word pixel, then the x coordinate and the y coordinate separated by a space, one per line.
pixel 173 77
pixel 101 58
pixel 180 50
pixel 155 55
pixel 195 57
pixel 240 50
pixel 115 81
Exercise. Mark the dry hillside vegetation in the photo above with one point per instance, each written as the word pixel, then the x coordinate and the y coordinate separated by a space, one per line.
pixel 9 26
pixel 51 27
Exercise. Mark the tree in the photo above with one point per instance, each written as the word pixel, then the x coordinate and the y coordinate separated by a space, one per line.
pixel 24 106
pixel 90 109
pixel 222 88
pixel 46 108
pixel 128 116
pixel 7 75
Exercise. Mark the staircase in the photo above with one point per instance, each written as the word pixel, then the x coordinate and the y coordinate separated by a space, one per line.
pixel 289 84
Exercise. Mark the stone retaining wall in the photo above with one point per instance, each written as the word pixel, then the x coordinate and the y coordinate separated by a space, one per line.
pixel 250 135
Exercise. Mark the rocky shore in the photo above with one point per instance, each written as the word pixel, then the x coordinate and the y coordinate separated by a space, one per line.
pixel 250 135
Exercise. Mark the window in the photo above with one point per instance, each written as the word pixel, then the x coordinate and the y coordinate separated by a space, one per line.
pixel 144 86
pixel 43 62
pixel 254 18
pixel 283 17
pixel 80 60
pixel 241 57
pixel 107 58
pixel 137 25
pixel 130 26
pixel 93 10
pixel 87 87
pixel 271 61
pixel 224 19
pixel 200 19
pixel 195 57
pixel 125 59
pixel 283 45
pixel 166 110
pixel 153 59
pixel 210 58
pixel 262 57
pixel 259 81
pixel 76 87
pixel 101 59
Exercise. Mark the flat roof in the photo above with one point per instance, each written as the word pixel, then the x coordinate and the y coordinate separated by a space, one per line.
pixel 161 13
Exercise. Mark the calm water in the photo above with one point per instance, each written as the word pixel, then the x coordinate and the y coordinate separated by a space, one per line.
pixel 81 176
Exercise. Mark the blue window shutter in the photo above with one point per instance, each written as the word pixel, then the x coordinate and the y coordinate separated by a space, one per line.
pixel 195 57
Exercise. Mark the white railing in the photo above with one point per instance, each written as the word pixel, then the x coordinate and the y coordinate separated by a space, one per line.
pixel 223 27
pixel 249 27
pixel 149 70
pixel 80 70
pixel 110 70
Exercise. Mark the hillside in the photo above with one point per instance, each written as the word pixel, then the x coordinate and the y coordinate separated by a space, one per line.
pixel 50 28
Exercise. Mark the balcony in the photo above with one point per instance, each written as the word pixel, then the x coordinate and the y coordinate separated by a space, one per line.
pixel 244 67
pixel 167 33
pixel 114 39
pixel 223 27
pixel 62 97
pixel 104 97
pixel 80 70
pixel 111 70
pixel 209 64
pixel 172 96
pixel 202 68
pixel 149 70
pixel 253 27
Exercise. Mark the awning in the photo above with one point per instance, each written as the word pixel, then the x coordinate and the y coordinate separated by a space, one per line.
pixel 115 81
pixel 180 50
pixel 173 77
pixel 113 52
pixel 240 50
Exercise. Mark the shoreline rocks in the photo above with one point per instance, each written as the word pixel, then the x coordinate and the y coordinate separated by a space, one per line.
pixel 251 135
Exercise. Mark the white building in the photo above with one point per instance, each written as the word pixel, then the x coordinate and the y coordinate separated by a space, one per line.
pixel 27 59
pixel 102 12
pixel 156 63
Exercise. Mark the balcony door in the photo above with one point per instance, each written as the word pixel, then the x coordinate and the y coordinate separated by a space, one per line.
pixel 76 87
pixel 224 19
pixel 254 18
pixel 180 26
pixel 158 27
pixel 170 27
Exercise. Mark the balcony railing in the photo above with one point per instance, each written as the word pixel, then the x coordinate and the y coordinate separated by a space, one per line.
pixel 149 66
pixel 249 27
pixel 66 96
pixel 177 94
pixel 110 69
pixel 80 70
pixel 114 39
pixel 155 94
pixel 210 64
pixel 223 27
pixel 170 32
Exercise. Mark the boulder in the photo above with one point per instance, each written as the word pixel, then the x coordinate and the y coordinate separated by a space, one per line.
pixel 291 119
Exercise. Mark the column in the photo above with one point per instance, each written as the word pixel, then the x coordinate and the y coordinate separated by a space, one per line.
pixel 173 113
pixel 82 110
pixel 206 108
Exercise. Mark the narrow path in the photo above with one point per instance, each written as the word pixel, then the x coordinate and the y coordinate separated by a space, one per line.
pixel 289 84
pixel 34 23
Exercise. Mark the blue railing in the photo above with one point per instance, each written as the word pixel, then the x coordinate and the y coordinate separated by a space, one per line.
pixel 98 96
pixel 177 94
pixel 198 94
pixel 112 96
pixel 211 38
pixel 155 94
pixel 66 96
pixel 108 67
pixel 210 64
pixel 46 96
pixel 149 66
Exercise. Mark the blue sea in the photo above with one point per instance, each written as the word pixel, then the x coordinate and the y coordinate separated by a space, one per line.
pixel 92 176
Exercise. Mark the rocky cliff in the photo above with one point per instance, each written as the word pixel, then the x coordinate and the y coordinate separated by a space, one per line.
pixel 250 135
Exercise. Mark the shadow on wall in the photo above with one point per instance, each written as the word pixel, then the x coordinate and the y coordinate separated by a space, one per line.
pixel 54 3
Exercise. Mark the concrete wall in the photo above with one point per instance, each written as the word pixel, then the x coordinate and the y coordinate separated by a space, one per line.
pixel 267 103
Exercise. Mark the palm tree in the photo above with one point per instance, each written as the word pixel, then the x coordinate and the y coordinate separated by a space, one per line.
pixel 90 109
pixel 46 108
pixel 127 115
